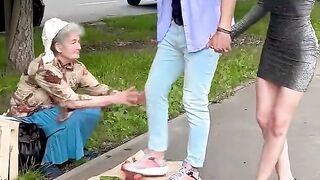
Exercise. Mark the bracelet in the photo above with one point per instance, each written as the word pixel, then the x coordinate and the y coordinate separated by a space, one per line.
pixel 219 29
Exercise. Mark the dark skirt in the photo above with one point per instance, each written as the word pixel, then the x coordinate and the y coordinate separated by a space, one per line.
pixel 65 140
pixel 290 53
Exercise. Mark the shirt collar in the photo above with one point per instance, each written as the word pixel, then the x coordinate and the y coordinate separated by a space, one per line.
pixel 69 66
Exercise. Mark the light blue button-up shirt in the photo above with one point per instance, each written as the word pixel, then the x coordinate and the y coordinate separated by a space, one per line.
pixel 200 19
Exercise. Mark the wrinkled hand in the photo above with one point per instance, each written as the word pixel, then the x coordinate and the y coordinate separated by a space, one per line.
pixel 127 97
pixel 220 42
pixel 141 98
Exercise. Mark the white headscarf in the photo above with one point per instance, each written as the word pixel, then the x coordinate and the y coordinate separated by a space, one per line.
pixel 50 30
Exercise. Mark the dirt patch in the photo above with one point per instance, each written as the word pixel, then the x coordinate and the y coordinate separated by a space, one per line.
pixel 102 46
pixel 247 40
pixel 244 40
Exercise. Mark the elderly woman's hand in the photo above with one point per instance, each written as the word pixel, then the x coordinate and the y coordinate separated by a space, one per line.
pixel 128 97
pixel 141 98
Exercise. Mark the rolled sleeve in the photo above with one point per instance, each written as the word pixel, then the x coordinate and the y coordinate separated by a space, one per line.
pixel 90 84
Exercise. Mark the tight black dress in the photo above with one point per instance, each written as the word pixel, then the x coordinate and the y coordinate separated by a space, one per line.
pixel 291 50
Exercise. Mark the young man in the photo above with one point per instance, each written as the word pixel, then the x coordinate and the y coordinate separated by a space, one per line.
pixel 191 34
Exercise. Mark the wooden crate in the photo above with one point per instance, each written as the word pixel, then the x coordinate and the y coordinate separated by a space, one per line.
pixel 9 132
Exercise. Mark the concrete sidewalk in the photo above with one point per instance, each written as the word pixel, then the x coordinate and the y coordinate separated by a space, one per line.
pixel 235 141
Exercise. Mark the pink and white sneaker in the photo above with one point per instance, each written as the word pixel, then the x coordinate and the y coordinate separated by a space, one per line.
pixel 186 172
pixel 148 166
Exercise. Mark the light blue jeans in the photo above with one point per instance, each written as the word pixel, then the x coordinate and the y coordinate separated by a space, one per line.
pixel 171 61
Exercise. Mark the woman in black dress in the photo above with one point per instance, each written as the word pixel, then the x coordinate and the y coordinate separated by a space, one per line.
pixel 287 65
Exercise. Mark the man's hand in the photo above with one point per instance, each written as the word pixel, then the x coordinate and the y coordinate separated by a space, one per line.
pixel 220 42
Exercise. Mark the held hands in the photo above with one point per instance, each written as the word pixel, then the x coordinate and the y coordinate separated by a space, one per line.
pixel 128 97
pixel 141 98
pixel 220 41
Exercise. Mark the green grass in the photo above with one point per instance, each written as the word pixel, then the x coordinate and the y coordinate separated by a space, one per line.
pixel 116 69
pixel 121 68
pixel 315 18
pixel 109 178
pixel 30 175
pixel 260 28
pixel 130 28
pixel 7 86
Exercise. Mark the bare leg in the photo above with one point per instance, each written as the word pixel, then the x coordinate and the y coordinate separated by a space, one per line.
pixel 283 168
pixel 275 106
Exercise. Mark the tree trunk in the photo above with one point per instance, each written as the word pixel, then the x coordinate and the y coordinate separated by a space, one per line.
pixel 7 16
pixel 20 49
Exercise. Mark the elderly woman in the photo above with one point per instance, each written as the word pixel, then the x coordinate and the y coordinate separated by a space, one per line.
pixel 46 95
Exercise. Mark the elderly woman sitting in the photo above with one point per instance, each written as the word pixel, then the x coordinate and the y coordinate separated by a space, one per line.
pixel 46 94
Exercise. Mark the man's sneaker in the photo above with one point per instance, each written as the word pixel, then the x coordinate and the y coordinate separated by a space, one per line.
pixel 186 172
pixel 147 166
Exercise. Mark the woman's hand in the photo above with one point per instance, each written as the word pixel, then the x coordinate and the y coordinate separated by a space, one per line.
pixel 220 42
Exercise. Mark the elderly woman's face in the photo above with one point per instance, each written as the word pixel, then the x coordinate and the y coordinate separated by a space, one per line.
pixel 70 47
